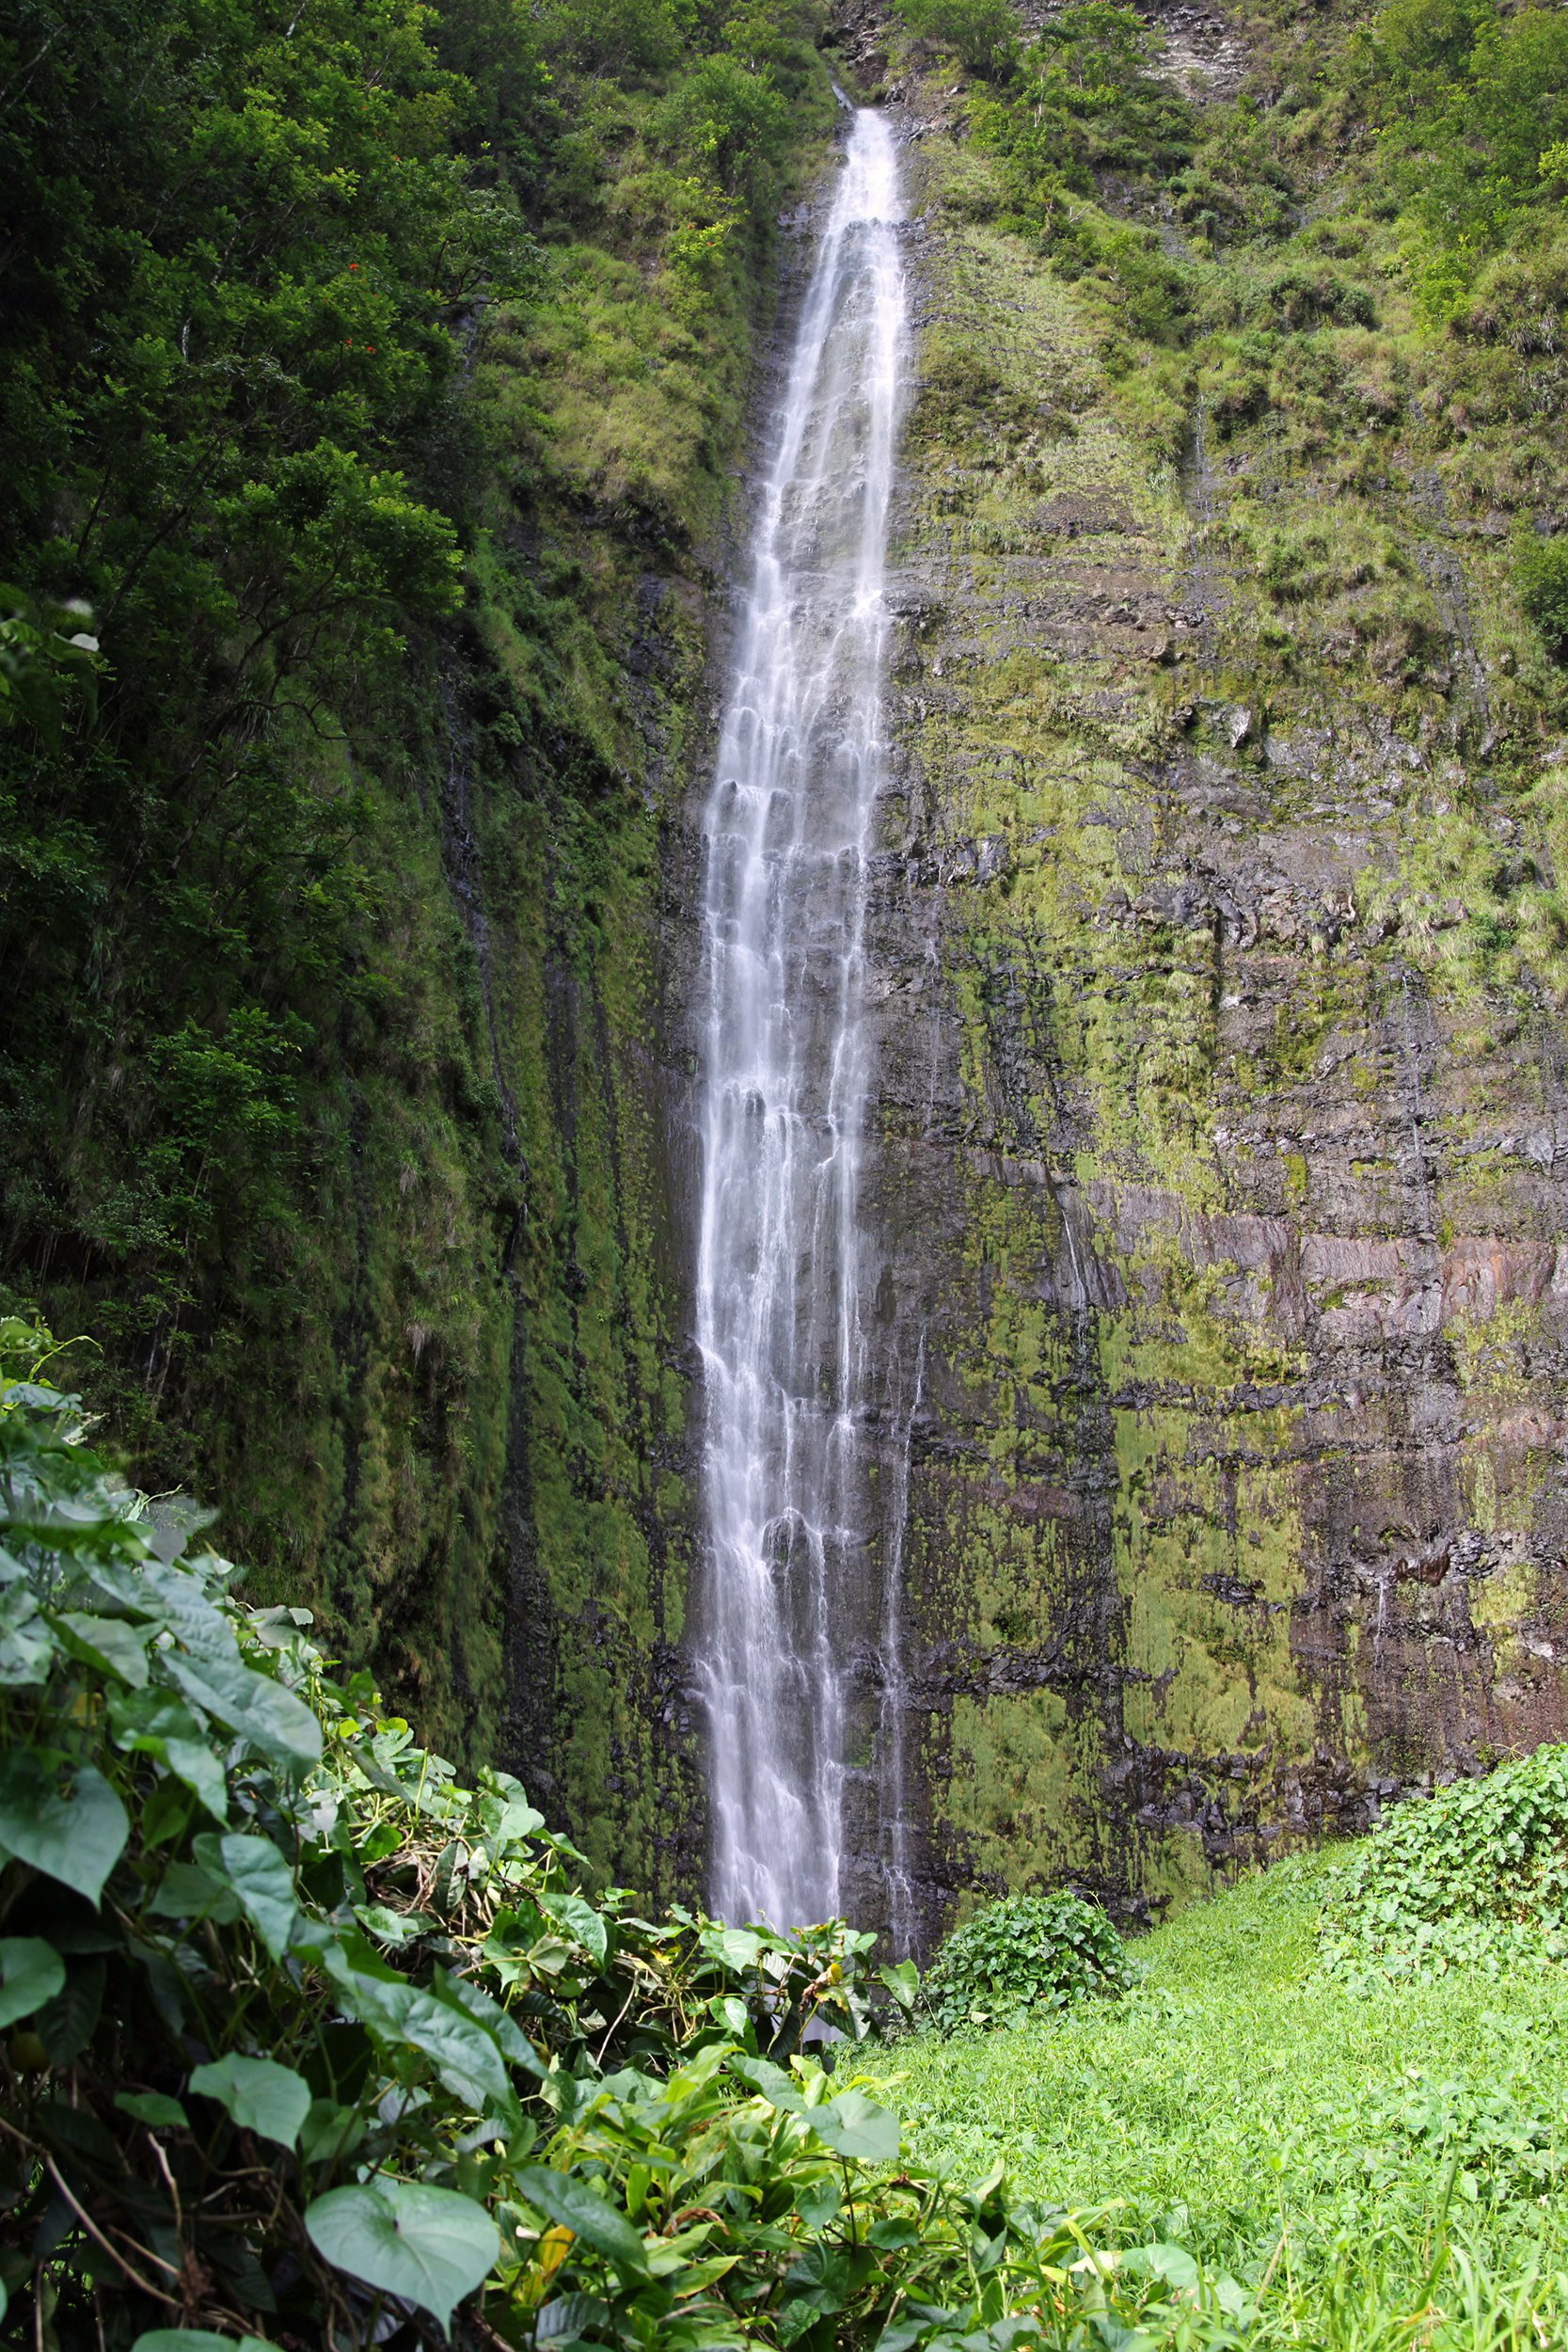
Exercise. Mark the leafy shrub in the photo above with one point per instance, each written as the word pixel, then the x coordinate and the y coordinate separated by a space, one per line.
pixel 1475 1876
pixel 1500 2149
pixel 982 34
pixel 307 2040
pixel 729 121
pixel 1030 1951
pixel 1541 577
pixel 1312 293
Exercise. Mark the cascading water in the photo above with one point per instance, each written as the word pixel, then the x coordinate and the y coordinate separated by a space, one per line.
pixel 781 1256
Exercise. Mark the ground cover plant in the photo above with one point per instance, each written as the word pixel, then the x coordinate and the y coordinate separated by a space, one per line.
pixel 1376 2161
pixel 1476 1877
pixel 1029 1952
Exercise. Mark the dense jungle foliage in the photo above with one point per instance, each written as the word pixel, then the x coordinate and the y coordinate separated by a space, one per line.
pixel 370 374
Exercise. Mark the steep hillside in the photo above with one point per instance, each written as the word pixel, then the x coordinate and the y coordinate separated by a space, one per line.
pixel 1221 940
pixel 377 376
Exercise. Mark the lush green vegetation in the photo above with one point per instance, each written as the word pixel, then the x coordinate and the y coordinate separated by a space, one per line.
pixel 1476 1877
pixel 1376 2164
pixel 309 2040
pixel 1028 1952
pixel 371 380
pixel 1373 227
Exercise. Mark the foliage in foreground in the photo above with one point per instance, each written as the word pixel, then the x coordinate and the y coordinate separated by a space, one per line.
pixel 1475 1875
pixel 306 2042
pixel 1028 1952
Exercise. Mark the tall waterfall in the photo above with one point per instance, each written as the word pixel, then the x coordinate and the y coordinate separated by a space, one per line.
pixel 780 1258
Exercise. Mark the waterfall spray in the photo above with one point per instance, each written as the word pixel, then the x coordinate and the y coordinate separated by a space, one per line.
pixel 788 831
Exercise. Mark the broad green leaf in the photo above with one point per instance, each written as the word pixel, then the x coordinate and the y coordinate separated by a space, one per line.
pixel 465 2054
pixel 31 1973
pixel 69 1825
pixel 264 1884
pixel 194 1762
pixel 429 2246
pixel 895 2232
pixel 573 2318
pixel 579 1920
pixel 186 1891
pixel 1171 2262
pixel 779 2089
pixel 258 1710
pixel 192 1614
pixel 260 2095
pixel 196 2340
pixel 143 1720
pixel 903 1983
pixel 107 1643
pixel 855 2126
pixel 462 1994
pixel 26 1638
pixel 155 1723
pixel 519 1820
pixel 151 2107
pixel 736 1947
pixel 590 2217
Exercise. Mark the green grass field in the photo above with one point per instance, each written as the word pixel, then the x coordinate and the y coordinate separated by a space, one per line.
pixel 1393 2164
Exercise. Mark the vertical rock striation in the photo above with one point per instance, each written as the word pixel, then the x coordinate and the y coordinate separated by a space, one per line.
pixel 1224 1179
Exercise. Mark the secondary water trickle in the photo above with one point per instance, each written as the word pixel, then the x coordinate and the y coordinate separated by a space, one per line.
pixel 782 1258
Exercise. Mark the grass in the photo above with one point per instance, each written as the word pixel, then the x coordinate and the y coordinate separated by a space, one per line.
pixel 1389 2167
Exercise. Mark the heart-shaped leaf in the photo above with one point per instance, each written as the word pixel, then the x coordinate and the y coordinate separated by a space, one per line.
pixel 581 1921
pixel 31 1973
pixel 736 1947
pixel 107 1643
pixel 429 2246
pixel 465 2054
pixel 855 2126
pixel 68 1824
pixel 260 2095
pixel 265 1885
pixel 779 2089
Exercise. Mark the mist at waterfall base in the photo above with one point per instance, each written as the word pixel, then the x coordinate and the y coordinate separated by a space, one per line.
pixel 796 1584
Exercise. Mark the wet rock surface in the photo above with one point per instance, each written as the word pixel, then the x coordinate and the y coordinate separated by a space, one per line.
pixel 1226 1219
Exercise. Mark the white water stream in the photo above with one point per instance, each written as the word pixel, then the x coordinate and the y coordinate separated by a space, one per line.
pixel 781 1257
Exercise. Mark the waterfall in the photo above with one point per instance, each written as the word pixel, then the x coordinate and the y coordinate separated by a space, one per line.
pixel 782 1261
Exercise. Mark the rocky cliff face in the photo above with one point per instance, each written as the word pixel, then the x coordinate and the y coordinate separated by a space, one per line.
pixel 1224 1138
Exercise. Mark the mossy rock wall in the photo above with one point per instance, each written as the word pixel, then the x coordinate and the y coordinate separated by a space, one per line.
pixel 1222 1124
